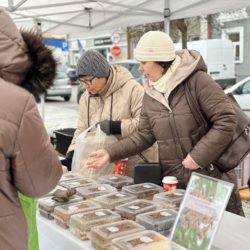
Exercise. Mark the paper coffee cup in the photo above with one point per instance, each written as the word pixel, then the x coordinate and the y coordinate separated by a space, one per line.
pixel 169 183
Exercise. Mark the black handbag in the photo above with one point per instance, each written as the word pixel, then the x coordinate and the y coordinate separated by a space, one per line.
pixel 239 146
pixel 147 172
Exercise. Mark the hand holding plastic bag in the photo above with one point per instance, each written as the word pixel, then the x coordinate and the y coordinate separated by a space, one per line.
pixel 86 143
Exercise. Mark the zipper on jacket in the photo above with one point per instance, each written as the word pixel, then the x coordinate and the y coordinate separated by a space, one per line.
pixel 247 129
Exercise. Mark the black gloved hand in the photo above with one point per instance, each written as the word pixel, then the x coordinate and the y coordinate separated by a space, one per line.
pixel 248 183
pixel 68 160
pixel 110 127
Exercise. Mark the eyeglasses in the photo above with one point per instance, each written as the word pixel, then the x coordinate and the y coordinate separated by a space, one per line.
pixel 88 82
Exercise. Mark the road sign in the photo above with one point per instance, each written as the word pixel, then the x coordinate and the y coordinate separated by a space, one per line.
pixel 116 51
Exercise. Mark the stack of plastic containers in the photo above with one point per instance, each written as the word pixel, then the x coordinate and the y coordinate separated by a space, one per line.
pixel 160 221
pixel 145 240
pixel 171 199
pixel 94 190
pixel 102 236
pixel 131 209
pixel 62 214
pixel 81 224
pixel 143 190
pixel 47 205
pixel 110 201
pixel 116 180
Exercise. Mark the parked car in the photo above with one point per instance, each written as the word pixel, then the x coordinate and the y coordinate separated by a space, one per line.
pixel 131 65
pixel 72 75
pixel 61 86
pixel 241 92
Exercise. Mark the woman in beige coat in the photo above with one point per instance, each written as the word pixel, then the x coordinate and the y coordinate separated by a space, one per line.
pixel 28 162
pixel 113 99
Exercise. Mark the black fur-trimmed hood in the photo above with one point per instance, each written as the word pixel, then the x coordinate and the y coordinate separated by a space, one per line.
pixel 42 71
pixel 24 59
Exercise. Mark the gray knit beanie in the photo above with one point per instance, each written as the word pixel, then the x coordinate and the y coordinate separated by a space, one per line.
pixel 93 63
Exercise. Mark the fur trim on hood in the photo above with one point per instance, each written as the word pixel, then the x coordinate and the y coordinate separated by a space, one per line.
pixel 42 71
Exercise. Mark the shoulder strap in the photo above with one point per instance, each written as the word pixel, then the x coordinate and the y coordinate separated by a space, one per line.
pixel 194 105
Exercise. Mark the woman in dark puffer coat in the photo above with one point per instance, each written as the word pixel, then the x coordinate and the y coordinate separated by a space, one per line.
pixel 167 118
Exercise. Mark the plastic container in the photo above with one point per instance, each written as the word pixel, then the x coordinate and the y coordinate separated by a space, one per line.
pixel 145 240
pixel 77 183
pixel 116 180
pixel 160 221
pixel 47 205
pixel 95 190
pixel 62 214
pixel 171 199
pixel 63 139
pixel 101 236
pixel 131 209
pixel 81 224
pixel 70 176
pixel 143 190
pixel 110 201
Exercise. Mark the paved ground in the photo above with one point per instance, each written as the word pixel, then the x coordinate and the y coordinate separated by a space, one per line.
pixel 60 114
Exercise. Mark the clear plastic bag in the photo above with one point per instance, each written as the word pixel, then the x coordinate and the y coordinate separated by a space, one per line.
pixel 86 143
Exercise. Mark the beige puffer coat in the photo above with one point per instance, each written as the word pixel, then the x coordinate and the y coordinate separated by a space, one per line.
pixel 122 101
pixel 28 162
pixel 169 121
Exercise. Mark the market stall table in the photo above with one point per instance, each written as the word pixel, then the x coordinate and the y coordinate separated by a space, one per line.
pixel 233 233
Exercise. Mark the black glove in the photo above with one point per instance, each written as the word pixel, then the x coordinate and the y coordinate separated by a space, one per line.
pixel 110 127
pixel 248 183
pixel 68 160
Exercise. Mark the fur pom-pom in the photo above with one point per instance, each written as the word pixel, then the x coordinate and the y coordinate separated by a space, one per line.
pixel 42 72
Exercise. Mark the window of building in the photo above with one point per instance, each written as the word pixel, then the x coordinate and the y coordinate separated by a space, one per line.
pixel 236 36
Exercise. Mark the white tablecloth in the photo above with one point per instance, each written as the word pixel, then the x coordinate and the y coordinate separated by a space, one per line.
pixel 233 234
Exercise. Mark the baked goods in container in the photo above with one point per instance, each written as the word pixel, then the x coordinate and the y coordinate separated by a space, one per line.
pixel 62 214
pixel 110 201
pixel 145 240
pixel 143 190
pixel 101 236
pixel 94 190
pixel 131 209
pixel 116 180
pixel 170 199
pixel 70 176
pixel 46 205
pixel 160 221
pixel 81 224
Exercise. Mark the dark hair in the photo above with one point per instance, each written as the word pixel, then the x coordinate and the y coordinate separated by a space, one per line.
pixel 165 65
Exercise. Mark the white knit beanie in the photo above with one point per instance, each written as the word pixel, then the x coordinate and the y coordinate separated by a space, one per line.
pixel 155 46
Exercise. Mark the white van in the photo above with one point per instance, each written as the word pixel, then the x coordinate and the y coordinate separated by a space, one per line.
pixel 219 57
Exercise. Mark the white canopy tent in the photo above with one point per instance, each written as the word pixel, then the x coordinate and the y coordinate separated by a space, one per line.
pixel 66 16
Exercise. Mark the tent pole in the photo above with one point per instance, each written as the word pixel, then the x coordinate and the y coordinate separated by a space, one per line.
pixel 166 14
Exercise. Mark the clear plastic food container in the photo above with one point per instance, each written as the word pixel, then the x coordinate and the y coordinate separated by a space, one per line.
pixel 94 190
pixel 116 180
pixel 81 224
pixel 70 176
pixel 77 183
pixel 62 214
pixel 171 199
pixel 101 236
pixel 160 220
pixel 143 190
pixel 145 240
pixel 46 205
pixel 131 209
pixel 110 201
